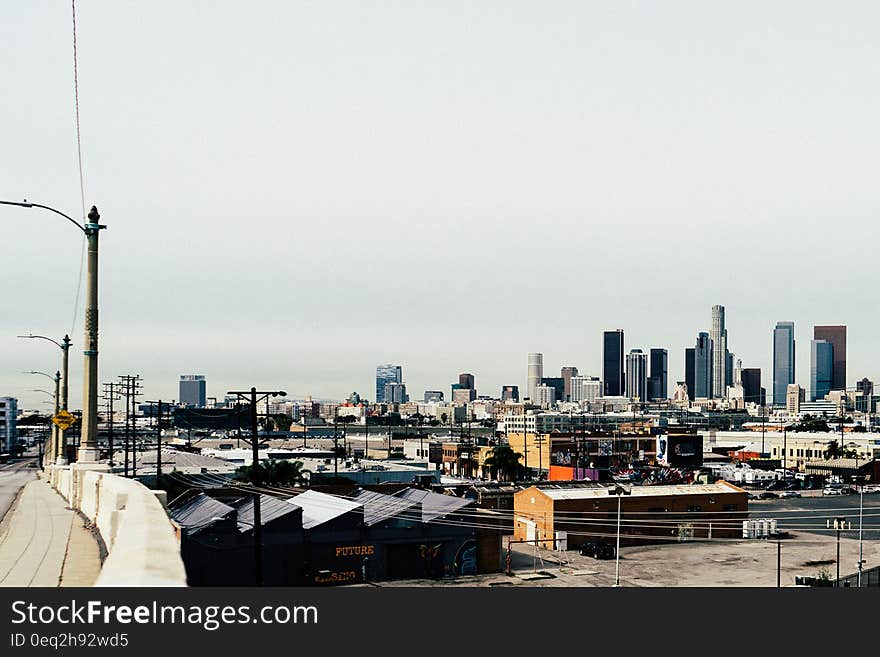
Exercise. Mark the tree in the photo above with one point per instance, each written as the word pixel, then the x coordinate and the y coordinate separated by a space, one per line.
pixel 274 473
pixel 503 463
pixel 832 451
pixel 443 418
pixel 282 422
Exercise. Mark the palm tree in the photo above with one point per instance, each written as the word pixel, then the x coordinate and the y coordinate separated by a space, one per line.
pixel 832 451
pixel 504 462
pixel 274 473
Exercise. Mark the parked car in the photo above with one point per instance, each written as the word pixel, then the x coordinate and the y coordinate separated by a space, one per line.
pixel 768 495
pixel 598 550
pixel 791 493
pixel 752 496
pixel 831 490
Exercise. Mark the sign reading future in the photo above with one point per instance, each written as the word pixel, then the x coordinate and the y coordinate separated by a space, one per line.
pixel 64 420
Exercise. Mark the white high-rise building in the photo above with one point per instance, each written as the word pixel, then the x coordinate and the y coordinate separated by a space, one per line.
pixel 585 388
pixel 534 375
pixel 718 337
pixel 637 375
pixel 545 396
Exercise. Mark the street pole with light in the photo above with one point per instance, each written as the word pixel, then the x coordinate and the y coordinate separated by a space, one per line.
pixel 88 449
pixel 59 455
pixel 620 491
pixel 49 455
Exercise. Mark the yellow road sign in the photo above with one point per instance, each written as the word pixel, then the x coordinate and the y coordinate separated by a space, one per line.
pixel 64 420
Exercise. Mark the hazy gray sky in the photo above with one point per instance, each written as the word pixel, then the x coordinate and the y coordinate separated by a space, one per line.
pixel 298 191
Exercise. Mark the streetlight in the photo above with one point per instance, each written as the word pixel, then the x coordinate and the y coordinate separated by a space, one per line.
pixel 619 491
pixel 88 449
pixel 50 456
pixel 840 524
pixel 60 455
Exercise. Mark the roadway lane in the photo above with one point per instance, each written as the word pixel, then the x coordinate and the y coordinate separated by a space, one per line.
pixel 13 476
pixel 809 514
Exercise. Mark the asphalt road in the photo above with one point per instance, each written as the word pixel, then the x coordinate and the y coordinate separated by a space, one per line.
pixel 809 514
pixel 13 476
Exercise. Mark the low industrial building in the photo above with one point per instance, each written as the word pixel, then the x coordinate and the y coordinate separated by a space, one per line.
pixel 578 515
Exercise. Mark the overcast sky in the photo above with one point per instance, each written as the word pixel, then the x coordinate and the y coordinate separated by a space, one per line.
pixel 296 192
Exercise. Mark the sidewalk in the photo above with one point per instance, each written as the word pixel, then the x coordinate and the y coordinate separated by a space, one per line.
pixel 43 543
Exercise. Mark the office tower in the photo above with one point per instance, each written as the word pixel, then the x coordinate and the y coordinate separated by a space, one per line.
pixel 718 338
pixel 460 394
pixel 545 396
pixel 864 402
pixel 729 374
pixel 558 384
pixel 821 368
pixel 794 395
pixel 836 335
pixel 783 361
pixel 585 388
pixel 395 393
pixel 466 380
pixel 751 383
pixel 567 374
pixel 535 374
pixel 637 375
pixel 8 419
pixel 510 393
pixel 433 396
pixel 612 363
pixel 702 367
pixel 192 390
pixel 386 374
pixel 658 381
pixel 689 371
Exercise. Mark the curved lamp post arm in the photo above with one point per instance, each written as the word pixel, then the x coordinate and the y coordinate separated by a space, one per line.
pixel 43 337
pixel 25 204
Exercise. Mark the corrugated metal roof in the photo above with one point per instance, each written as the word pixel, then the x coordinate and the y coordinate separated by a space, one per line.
pixel 271 508
pixel 434 505
pixel 379 506
pixel 319 508
pixel 643 491
pixel 199 511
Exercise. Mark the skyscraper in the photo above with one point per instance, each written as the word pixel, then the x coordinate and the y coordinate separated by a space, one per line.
pixel 466 380
pixel 718 337
pixel 558 385
pixel 637 375
pixel 612 363
pixel 702 367
pixel 395 393
pixel 836 335
pixel 433 396
pixel 535 374
pixel 658 382
pixel 821 368
pixel 751 383
pixel 567 373
pixel 689 372
pixel 192 390
pixel 8 419
pixel 585 388
pixel 510 393
pixel 783 361
pixel 386 374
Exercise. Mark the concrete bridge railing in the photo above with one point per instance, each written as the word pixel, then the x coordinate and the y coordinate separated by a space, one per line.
pixel 142 546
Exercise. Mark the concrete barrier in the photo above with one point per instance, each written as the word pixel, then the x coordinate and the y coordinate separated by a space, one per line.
pixel 142 546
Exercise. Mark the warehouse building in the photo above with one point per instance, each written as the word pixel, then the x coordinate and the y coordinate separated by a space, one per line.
pixel 577 515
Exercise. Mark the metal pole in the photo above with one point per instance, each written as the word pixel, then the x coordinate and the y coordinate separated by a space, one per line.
pixel 617 551
pixel 778 564
pixel 61 455
pixel 88 449
pixel 255 480
pixel 837 582
pixel 57 407
pixel 861 503
pixel 159 446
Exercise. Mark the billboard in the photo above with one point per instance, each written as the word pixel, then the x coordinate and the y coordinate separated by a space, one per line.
pixel 680 450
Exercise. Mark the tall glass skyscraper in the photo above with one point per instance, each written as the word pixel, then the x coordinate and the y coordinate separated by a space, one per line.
pixel 658 381
pixel 612 363
pixel 821 368
pixel 386 374
pixel 690 371
pixel 720 359
pixel 637 375
pixel 192 390
pixel 783 360
pixel 702 367
pixel 836 335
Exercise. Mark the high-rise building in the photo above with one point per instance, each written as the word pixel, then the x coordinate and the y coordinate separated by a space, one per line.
pixel 460 394
pixel 720 359
pixel 702 367
pixel 821 369
pixel 558 384
pixel 8 419
pixel 658 381
pixel 585 388
pixel 386 374
pixel 751 383
pixel 689 371
pixel 545 396
pixel 794 396
pixel 612 363
pixel 466 380
pixel 567 374
pixel 433 396
pixel 395 393
pixel 729 374
pixel 637 375
pixel 864 402
pixel 510 393
pixel 836 335
pixel 192 390
pixel 535 374
pixel 783 361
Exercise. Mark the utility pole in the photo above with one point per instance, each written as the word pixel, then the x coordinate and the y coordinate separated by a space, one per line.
pixel 253 397
pixel 158 441
pixel 778 563
pixel 131 385
pixel 111 390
